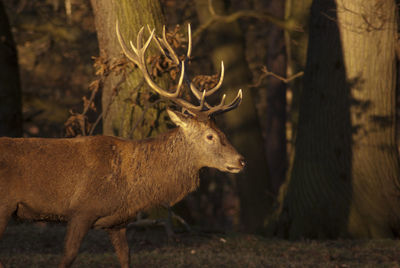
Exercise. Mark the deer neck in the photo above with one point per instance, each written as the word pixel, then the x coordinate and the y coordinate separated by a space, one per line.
pixel 163 169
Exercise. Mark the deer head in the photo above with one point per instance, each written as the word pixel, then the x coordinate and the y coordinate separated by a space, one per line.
pixel 210 145
pixel 195 120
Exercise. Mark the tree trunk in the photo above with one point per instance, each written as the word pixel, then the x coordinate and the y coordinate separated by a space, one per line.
pixel 345 175
pixel 272 92
pixel 242 124
pixel 127 106
pixel 10 89
pixel 297 11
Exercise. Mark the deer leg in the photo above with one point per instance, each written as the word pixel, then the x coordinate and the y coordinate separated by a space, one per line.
pixel 120 243
pixel 168 225
pixel 76 230
pixel 5 215
pixel 3 225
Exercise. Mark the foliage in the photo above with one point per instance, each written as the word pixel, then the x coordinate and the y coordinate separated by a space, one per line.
pixel 78 123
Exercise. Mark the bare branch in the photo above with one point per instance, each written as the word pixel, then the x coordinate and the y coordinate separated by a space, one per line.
pixel 104 114
pixel 287 25
pixel 267 73
pixel 161 222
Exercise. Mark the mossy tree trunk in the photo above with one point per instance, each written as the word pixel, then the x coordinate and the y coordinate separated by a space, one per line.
pixel 345 175
pixel 10 89
pixel 127 107
pixel 227 43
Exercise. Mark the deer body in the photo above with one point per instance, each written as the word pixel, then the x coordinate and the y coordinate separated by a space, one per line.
pixel 102 182
pixel 112 178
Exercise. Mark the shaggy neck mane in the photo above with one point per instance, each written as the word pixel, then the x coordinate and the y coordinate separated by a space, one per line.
pixel 165 172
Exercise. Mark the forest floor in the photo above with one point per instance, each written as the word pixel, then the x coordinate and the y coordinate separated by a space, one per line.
pixel 31 245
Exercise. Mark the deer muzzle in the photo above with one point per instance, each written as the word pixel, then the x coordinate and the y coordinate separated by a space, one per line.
pixel 238 166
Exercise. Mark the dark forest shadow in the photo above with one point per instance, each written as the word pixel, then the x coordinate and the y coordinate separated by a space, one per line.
pixel 319 193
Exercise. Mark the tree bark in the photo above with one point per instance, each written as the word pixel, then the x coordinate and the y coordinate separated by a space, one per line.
pixel 345 175
pixel 126 107
pixel 241 124
pixel 10 89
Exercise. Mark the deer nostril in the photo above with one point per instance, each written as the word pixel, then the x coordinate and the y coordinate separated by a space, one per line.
pixel 242 162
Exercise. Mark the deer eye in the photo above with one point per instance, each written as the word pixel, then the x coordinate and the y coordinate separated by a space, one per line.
pixel 210 137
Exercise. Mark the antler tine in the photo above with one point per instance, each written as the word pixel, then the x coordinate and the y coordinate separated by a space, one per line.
pixel 201 95
pixel 221 108
pixel 179 86
pixel 155 38
pixel 198 93
pixel 172 55
pixel 222 100
pixel 137 55
pixel 148 40
pixel 139 39
pixel 202 100
pixel 189 51
pixel 221 79
pixel 181 76
pixel 160 42
pixel 132 56
pixel 219 84
pixel 140 49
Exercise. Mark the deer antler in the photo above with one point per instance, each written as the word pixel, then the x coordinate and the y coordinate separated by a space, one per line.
pixel 137 55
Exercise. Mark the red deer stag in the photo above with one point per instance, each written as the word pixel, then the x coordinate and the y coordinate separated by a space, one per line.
pixel 103 182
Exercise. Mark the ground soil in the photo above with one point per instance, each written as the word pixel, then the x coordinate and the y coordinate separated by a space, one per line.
pixel 33 245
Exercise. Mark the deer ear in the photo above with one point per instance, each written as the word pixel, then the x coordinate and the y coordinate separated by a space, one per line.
pixel 178 118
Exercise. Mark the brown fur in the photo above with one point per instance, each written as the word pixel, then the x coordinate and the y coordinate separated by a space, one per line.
pixel 102 182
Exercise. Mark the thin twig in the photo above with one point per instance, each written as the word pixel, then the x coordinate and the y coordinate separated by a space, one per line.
pixel 161 222
pixel 92 95
pixel 146 222
pixel 211 8
pixel 181 220
pixel 95 124
pixel 284 24
pixel 267 73
pixel 136 89
pixel 104 114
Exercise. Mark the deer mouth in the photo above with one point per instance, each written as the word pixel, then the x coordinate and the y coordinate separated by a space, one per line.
pixel 234 169
pixel 237 168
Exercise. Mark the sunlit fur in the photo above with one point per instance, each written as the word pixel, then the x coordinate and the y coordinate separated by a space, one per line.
pixel 103 181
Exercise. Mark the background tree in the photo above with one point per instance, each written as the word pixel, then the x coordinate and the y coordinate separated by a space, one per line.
pixel 124 98
pixel 55 68
pixel 226 42
pixel 56 71
pixel 297 12
pixel 345 175
pixel 269 50
pixel 10 89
